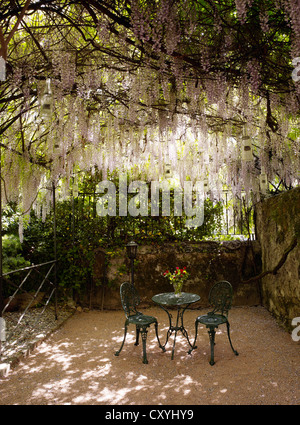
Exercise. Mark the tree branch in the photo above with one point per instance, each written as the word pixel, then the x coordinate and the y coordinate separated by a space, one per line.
pixel 3 46
pixel 3 42
pixel 281 262
pixel 21 16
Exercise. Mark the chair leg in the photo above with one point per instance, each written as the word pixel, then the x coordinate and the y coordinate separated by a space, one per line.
pixel 125 333
pixel 228 333
pixel 137 335
pixel 212 334
pixel 196 334
pixel 144 340
pixel 156 331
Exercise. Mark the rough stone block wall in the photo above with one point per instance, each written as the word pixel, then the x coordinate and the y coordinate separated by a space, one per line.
pixel 207 263
pixel 277 227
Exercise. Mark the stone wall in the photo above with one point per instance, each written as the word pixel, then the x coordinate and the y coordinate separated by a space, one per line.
pixel 207 263
pixel 277 226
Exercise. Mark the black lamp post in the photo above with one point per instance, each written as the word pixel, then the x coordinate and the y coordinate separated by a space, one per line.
pixel 131 248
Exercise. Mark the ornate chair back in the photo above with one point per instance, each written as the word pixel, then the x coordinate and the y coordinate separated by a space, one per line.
pixel 130 299
pixel 220 297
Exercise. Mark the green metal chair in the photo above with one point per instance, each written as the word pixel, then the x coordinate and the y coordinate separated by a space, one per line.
pixel 220 298
pixel 130 300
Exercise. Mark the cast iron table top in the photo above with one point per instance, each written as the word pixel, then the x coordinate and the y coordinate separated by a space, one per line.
pixel 169 298
pixel 182 303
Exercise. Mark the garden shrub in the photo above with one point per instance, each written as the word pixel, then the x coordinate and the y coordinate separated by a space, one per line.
pixel 80 231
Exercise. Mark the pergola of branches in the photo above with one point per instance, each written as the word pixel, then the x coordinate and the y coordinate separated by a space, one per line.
pixel 117 84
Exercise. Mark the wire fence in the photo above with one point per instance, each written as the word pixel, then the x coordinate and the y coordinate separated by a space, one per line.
pixel 226 217
pixel 32 286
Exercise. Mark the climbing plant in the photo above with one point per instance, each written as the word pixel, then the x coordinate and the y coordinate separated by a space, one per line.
pixel 148 87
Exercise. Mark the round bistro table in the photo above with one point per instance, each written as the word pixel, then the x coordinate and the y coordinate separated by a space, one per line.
pixel 169 299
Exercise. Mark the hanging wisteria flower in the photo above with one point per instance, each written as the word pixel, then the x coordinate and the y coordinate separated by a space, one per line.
pixel 177 278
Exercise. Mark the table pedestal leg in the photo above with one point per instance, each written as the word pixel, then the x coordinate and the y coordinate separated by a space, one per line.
pixel 176 328
pixel 170 330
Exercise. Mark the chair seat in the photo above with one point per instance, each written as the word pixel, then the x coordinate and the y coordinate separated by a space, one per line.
pixel 141 319
pixel 212 319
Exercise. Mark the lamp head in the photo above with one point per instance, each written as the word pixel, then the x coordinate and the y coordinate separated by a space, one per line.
pixel 131 248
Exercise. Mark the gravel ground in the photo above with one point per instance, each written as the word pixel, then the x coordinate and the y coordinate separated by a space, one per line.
pixel 76 364
pixel 34 326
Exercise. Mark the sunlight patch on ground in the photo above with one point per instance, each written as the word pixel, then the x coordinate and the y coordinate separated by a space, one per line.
pixel 47 390
pixel 99 371
pixel 113 396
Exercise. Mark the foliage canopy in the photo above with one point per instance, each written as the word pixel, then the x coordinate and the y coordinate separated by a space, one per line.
pixel 136 85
